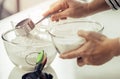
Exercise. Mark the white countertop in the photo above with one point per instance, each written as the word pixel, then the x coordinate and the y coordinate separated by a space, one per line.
pixel 65 69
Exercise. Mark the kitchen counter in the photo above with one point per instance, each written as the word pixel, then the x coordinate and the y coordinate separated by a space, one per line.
pixel 64 69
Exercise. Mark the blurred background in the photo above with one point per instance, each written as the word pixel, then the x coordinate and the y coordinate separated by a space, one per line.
pixel 9 7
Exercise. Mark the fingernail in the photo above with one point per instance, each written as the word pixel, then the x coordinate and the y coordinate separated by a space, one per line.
pixel 81 64
pixel 80 61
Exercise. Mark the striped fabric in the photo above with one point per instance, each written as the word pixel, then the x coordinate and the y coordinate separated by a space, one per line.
pixel 114 4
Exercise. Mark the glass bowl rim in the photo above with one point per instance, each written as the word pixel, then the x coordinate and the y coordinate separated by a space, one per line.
pixel 88 21
pixel 18 44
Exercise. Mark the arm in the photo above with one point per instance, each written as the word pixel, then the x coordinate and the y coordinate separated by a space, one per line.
pixel 97 6
pixel 102 5
pixel 76 9
pixel 118 48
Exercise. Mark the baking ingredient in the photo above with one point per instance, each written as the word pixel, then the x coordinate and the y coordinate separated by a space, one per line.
pixel 65 45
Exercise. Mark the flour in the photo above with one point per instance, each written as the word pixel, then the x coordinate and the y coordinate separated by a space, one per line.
pixel 65 45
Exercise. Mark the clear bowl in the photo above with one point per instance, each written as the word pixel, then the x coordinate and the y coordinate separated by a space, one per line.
pixel 23 50
pixel 64 34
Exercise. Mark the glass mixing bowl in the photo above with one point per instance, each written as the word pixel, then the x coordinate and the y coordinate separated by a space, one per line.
pixel 64 34
pixel 23 50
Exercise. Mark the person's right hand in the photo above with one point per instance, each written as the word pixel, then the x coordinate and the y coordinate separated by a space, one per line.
pixel 67 8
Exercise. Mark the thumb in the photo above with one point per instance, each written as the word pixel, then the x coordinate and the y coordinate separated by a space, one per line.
pixel 84 34
pixel 62 14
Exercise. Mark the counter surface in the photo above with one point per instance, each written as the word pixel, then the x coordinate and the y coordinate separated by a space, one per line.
pixel 65 69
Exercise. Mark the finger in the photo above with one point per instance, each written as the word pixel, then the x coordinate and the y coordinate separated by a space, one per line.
pixel 63 18
pixel 91 35
pixel 54 9
pixel 72 54
pixel 69 55
pixel 49 12
pixel 78 52
pixel 84 34
pixel 81 61
pixel 64 14
pixel 87 49
pixel 54 19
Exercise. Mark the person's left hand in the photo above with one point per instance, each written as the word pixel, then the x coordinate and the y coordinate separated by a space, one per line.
pixel 97 50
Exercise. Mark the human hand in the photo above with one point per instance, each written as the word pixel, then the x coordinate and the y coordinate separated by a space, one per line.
pixel 97 50
pixel 67 8
pixel 75 9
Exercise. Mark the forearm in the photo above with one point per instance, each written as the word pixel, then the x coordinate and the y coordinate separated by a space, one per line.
pixel 97 6
pixel 118 47
pixel 115 46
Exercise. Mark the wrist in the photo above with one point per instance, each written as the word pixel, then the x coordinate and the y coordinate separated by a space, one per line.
pixel 118 53
pixel 97 6
pixel 116 47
